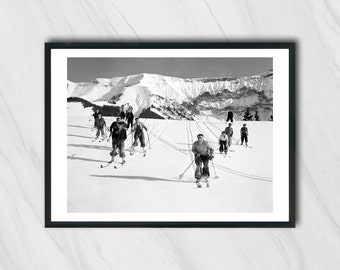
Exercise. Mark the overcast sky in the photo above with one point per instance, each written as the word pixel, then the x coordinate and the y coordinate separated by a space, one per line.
pixel 88 69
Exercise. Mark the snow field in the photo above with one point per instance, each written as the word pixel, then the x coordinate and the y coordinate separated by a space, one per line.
pixel 152 184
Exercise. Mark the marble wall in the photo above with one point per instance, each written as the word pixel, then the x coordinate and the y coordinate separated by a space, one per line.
pixel 26 25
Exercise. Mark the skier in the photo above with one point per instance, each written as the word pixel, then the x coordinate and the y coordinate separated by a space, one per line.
pixel 118 137
pixel 230 116
pixel 137 129
pixel 203 153
pixel 95 116
pixel 122 112
pixel 229 131
pixel 100 124
pixel 223 140
pixel 129 118
pixel 244 134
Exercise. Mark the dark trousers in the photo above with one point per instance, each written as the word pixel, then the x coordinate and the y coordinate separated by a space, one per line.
pixel 202 172
pixel 122 115
pixel 139 137
pixel 230 118
pixel 117 145
pixel 223 146
pixel 100 131
pixel 129 122
pixel 244 137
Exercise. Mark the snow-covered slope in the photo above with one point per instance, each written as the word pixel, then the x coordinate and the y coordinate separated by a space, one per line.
pixel 152 184
pixel 143 90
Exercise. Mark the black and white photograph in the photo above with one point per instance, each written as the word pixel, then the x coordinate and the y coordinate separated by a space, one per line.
pixel 170 135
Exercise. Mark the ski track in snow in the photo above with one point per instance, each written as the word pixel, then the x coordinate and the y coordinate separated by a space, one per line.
pixel 221 167
pixel 151 183
pixel 251 176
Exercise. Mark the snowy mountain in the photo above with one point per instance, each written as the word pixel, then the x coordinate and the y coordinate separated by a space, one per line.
pixel 177 98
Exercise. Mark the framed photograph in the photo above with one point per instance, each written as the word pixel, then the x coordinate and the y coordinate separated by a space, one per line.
pixel 170 134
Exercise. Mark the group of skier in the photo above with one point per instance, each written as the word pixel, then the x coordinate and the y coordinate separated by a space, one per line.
pixel 202 150
pixel 127 114
pixel 118 132
pixel 118 135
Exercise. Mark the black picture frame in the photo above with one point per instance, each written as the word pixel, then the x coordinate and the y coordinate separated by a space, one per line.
pixel 167 45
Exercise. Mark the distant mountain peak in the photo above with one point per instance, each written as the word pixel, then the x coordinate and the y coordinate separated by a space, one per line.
pixel 146 89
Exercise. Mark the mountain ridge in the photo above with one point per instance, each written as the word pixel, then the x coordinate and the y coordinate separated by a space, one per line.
pixel 145 89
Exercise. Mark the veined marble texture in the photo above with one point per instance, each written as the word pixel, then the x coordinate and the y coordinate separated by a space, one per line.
pixel 26 25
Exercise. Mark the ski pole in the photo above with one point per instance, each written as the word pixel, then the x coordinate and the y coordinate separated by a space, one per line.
pixel 212 161
pixel 181 175
pixel 147 133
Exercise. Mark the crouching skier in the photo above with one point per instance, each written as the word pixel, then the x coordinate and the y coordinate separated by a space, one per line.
pixel 118 135
pixel 203 153
pixel 223 141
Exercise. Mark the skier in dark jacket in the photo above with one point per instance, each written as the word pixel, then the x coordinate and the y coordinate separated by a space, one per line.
pixel 100 124
pixel 118 137
pixel 95 116
pixel 137 129
pixel 230 116
pixel 122 112
pixel 114 125
pixel 244 134
pixel 203 153
pixel 229 131
pixel 129 118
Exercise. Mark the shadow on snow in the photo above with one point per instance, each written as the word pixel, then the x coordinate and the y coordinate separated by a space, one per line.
pixel 85 159
pixel 79 136
pixel 96 147
pixel 140 177
pixel 86 127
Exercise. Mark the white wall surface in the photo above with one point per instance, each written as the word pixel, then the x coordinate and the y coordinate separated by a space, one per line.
pixel 26 25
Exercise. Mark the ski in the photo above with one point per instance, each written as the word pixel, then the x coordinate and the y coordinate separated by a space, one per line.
pixel 201 186
pixel 107 164
pixel 94 139
pixel 117 167
pixel 133 152
pixel 102 139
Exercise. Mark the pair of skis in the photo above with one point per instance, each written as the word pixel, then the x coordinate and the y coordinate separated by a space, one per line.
pixel 225 155
pixel 114 166
pixel 121 164
pixel 246 146
pixel 132 152
pixel 101 140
